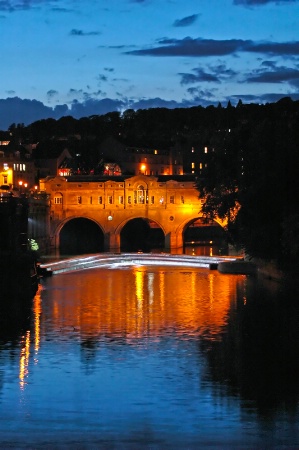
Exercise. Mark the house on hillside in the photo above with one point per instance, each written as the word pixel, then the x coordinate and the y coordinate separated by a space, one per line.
pixel 58 162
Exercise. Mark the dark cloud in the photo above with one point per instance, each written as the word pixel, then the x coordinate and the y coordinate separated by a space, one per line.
pixel 51 93
pixel 216 74
pixel 274 48
pixel 209 47
pixel 192 47
pixel 186 21
pixel 261 2
pixel 102 78
pixel 19 5
pixel 273 74
pixel 75 32
pixel 200 75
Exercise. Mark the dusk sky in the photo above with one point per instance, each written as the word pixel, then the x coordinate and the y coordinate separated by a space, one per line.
pixel 75 57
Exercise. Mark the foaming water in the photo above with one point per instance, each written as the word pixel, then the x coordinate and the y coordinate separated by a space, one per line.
pixel 152 357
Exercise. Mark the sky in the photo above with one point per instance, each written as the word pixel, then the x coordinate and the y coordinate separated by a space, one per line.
pixel 85 57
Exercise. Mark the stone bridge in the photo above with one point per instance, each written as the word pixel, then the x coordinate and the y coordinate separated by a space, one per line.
pixel 170 203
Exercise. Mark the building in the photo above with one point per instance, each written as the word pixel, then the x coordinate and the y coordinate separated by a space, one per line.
pixel 17 168
pixel 142 160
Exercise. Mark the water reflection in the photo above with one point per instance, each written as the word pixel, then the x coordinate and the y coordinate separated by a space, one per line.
pixel 153 357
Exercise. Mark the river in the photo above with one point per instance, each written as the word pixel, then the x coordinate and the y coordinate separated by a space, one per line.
pixel 152 357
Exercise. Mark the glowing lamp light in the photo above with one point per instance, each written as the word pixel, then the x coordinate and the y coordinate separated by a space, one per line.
pixel 143 167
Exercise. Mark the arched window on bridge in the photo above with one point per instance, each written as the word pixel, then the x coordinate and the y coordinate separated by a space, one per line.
pixel 140 195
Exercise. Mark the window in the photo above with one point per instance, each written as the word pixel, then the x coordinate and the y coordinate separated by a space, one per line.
pixel 192 149
pixel 182 199
pixel 139 195
pixel 90 200
pixel 58 200
pixel 200 165
pixel 110 199
pixel 129 199
pixel 100 200
pixel 152 200
pixel 79 199
pixel 192 165
pixel 171 199
pixel 121 199
pixel 206 149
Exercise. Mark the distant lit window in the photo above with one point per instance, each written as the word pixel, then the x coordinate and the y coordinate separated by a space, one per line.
pixel 152 200
pixel 206 149
pixel 206 165
pixel 192 150
pixel 171 199
pixel 155 152
pixel 100 200
pixel 110 199
pixel 79 199
pixel 192 165
pixel 129 199
pixel 200 165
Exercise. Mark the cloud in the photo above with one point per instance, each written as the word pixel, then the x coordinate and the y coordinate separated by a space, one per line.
pixel 75 32
pixel 18 5
pixel 269 73
pixel 192 47
pixel 199 75
pixel 261 2
pixel 51 93
pixel 210 47
pixel 216 74
pixel 186 21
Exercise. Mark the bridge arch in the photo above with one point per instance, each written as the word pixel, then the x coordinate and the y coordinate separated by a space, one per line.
pixel 210 234
pixel 140 233
pixel 79 235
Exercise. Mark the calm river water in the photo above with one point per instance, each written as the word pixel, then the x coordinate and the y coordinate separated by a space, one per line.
pixel 152 358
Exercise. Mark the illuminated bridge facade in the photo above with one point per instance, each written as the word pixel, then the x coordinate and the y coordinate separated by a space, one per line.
pixel 168 203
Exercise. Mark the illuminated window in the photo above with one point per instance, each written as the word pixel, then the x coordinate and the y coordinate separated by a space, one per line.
pixel 110 199
pixel 139 195
pixel 171 199
pixel 155 152
pixel 79 199
pixel 100 200
pixel 192 165
pixel 200 165
pixel 206 149
pixel 130 199
pixel 152 200
pixel 58 200
pixel 192 150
